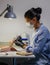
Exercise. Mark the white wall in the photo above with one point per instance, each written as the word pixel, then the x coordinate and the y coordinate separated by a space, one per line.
pixel 11 28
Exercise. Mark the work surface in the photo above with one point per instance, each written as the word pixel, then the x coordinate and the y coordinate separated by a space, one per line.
pixel 13 53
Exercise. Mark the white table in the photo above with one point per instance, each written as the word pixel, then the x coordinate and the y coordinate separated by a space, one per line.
pixel 13 54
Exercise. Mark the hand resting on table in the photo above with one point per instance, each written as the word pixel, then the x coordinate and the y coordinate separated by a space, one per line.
pixel 7 48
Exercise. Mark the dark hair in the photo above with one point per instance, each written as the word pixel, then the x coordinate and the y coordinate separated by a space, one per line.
pixel 33 12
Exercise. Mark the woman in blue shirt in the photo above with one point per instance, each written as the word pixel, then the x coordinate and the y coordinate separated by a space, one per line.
pixel 41 41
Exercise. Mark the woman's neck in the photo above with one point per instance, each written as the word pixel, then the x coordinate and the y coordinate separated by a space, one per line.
pixel 37 25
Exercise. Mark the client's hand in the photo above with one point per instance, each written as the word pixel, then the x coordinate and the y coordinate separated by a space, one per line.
pixel 5 48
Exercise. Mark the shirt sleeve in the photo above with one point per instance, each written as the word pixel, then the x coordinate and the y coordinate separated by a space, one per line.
pixel 40 41
pixel 29 48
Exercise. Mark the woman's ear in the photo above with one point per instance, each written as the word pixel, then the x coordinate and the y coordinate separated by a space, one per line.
pixel 34 19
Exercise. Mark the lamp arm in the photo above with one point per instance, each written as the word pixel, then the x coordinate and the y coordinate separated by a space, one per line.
pixel 3 12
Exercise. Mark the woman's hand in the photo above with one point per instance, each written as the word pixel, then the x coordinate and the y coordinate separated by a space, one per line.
pixel 25 45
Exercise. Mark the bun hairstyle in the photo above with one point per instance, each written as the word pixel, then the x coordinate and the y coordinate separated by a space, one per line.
pixel 33 12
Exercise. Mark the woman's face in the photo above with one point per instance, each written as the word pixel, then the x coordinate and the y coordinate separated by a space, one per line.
pixel 32 21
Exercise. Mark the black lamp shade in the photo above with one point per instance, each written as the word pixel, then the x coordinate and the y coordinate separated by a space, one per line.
pixel 10 14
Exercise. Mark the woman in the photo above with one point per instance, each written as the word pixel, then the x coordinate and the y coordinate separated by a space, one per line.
pixel 41 40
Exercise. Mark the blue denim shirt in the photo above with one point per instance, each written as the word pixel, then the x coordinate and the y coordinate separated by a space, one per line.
pixel 41 42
